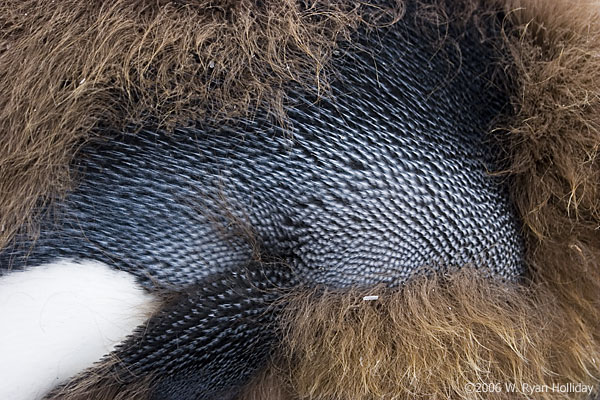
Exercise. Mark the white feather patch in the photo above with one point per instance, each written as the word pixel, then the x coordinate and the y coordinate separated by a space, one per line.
pixel 58 319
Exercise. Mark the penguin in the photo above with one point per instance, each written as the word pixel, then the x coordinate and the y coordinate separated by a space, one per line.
pixel 341 242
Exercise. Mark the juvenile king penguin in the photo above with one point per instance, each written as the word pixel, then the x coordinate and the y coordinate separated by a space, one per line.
pixel 293 200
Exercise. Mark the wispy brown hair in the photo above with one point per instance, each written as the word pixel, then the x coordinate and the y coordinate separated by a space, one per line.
pixel 452 336
pixel 72 66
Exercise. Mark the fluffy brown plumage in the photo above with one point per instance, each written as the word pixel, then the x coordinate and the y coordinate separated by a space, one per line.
pixel 67 68
pixel 433 338
pixel 103 384
pixel 553 148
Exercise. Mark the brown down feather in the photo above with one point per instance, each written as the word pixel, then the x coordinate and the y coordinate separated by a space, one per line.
pixel 76 65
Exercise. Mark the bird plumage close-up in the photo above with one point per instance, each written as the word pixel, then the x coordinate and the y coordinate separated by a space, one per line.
pixel 290 200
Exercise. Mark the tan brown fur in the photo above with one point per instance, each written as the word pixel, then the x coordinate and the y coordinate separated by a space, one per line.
pixel 434 337
pixel 270 384
pixel 74 65
pixel 555 135
pixel 553 146
pixel 100 383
